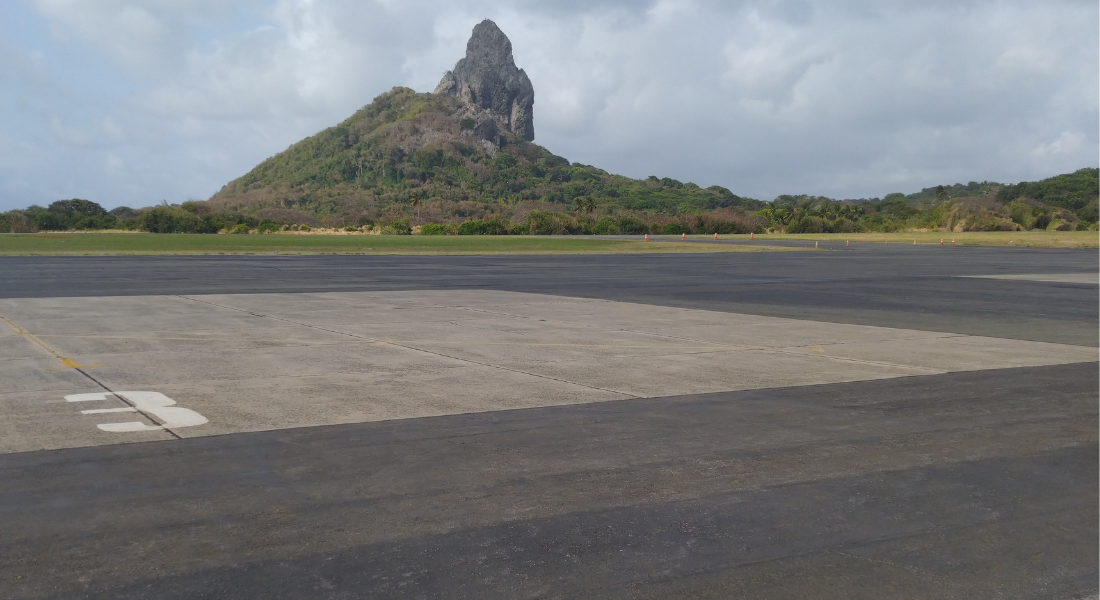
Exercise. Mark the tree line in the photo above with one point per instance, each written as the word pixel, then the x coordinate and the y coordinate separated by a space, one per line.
pixel 1063 203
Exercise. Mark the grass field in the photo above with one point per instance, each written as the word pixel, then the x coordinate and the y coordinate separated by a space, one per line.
pixel 66 243
pixel 158 243
pixel 1031 239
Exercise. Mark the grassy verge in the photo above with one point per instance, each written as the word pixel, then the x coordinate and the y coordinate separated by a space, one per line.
pixel 1030 239
pixel 52 243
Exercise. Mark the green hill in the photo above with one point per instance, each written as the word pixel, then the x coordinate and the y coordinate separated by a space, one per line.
pixel 411 159
pixel 406 154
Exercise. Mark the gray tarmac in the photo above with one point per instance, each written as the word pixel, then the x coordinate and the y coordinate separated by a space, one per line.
pixel 867 423
pixel 908 287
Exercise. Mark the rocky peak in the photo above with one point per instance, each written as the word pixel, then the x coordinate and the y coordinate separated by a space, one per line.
pixel 490 85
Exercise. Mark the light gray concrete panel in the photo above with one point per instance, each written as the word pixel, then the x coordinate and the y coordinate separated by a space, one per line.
pixel 694 373
pixel 283 402
pixel 226 362
pixel 15 347
pixel 270 361
pixel 38 374
pixel 960 353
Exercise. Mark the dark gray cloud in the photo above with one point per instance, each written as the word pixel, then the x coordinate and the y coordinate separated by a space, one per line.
pixel 131 102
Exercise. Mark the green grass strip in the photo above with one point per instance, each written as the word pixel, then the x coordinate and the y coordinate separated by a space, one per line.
pixel 54 243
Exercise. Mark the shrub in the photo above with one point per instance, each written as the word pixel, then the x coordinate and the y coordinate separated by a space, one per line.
pixel 807 224
pixel 730 222
pixel 107 221
pixel 436 229
pixel 267 227
pixel 167 219
pixel 350 228
pixel 673 228
pixel 1089 213
pixel 877 222
pixel 1029 214
pixel 841 225
pixel 17 221
pixel 977 214
pixel 398 227
pixel 503 160
pixel 632 226
pixel 303 227
pixel 242 228
pixel 483 227
pixel 605 226
pixel 544 222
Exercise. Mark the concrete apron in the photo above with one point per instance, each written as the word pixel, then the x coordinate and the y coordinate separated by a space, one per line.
pixel 107 370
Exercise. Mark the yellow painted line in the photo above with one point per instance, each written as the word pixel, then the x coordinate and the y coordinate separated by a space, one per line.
pixel 66 362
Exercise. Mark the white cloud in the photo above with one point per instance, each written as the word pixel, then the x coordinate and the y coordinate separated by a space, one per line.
pixel 1068 144
pixel 135 101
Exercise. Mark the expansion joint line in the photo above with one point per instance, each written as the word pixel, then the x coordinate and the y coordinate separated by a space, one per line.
pixel 163 425
pixel 409 347
pixel 69 363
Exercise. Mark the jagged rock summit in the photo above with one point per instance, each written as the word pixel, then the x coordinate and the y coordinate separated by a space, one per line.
pixel 489 84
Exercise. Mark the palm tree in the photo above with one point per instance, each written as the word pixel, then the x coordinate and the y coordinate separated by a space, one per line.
pixel 941 193
pixel 584 204
pixel 416 203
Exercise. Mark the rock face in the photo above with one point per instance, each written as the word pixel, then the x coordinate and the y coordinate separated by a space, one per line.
pixel 489 84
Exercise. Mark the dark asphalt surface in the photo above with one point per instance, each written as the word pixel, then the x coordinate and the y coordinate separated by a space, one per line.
pixel 895 286
pixel 966 485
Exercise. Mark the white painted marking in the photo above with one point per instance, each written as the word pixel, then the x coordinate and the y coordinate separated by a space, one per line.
pixel 87 397
pixel 155 403
pixel 100 411
pixel 128 426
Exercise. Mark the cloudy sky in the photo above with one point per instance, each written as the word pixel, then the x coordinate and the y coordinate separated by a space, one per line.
pixel 130 102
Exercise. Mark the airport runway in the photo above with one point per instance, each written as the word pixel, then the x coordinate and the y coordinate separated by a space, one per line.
pixel 870 423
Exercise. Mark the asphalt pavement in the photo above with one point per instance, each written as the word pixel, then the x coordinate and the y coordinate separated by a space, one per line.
pixel 950 485
pixel 918 287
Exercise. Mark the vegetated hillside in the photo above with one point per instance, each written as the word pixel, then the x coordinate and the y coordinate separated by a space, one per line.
pixel 1061 203
pixel 409 160
pixel 407 156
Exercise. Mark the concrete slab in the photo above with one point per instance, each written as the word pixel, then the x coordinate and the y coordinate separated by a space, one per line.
pixel 958 353
pixel 39 375
pixel 273 361
pixel 284 402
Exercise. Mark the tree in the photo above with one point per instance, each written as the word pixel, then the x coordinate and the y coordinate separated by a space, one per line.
pixel 584 204
pixel 77 207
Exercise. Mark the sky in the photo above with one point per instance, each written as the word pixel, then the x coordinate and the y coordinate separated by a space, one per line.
pixel 135 102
